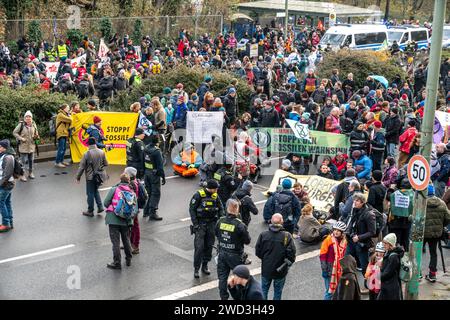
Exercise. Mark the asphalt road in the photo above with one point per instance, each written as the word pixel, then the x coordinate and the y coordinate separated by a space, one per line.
pixel 52 241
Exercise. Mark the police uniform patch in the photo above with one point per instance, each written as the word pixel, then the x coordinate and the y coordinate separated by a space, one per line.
pixel 193 201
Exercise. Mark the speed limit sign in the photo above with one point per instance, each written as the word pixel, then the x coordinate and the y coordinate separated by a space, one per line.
pixel 419 172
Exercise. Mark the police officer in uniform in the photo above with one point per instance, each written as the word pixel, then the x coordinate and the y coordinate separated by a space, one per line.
pixel 232 234
pixel 205 209
pixel 135 152
pixel 154 177
pixel 227 183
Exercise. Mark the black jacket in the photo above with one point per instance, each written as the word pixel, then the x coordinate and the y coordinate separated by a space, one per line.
pixel 105 87
pixel 358 140
pixel 269 118
pixel 393 125
pixel 247 205
pixel 272 247
pixel 391 287
pixel 363 225
pixel 251 291
pixel 229 103
pixel 377 192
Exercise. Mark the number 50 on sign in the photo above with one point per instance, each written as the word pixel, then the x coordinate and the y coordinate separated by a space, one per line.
pixel 419 172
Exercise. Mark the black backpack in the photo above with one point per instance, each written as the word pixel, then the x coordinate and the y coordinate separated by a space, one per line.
pixel 83 89
pixel 380 219
pixel 283 205
pixel 18 169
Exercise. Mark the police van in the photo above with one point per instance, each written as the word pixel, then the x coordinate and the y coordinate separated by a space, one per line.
pixel 446 38
pixel 355 37
pixel 405 34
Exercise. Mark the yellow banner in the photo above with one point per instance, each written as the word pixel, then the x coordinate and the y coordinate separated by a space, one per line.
pixel 117 127
pixel 318 188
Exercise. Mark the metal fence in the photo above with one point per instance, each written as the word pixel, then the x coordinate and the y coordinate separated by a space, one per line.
pixel 155 26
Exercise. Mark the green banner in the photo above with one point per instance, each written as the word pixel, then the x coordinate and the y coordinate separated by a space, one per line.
pixel 283 140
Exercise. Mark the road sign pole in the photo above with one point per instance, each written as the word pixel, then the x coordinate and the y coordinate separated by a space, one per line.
pixel 418 223
pixel 286 19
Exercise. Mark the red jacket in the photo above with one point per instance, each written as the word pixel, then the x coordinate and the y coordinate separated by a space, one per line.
pixel 406 138
pixel 342 165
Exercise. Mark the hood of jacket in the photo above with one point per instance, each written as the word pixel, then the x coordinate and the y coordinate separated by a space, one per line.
pixel 242 193
pixel 276 227
pixel 433 202
pixel 348 264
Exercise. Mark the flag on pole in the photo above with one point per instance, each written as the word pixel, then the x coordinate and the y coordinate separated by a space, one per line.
pixel 102 49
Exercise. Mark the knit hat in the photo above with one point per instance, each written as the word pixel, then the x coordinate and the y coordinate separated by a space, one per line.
pixel 377 175
pixel 430 190
pixel 356 154
pixel 404 96
pixel 131 171
pixel 28 114
pixel 247 185
pixel 380 247
pixel 232 90
pixel 287 184
pixel 391 238
pixel 306 115
pixel 212 184
pixel 148 97
pixel 97 119
pixel 208 78
pixel 138 131
pixel 167 90
pixel 241 271
pixel 377 124
pixel 5 143
pixel 286 163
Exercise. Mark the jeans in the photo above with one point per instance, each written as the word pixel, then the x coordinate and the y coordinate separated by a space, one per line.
pixel 27 158
pixel 357 251
pixel 392 150
pixel 327 295
pixel 432 245
pixel 115 233
pixel 203 244
pixel 5 207
pixel 278 285
pixel 62 142
pixel 93 194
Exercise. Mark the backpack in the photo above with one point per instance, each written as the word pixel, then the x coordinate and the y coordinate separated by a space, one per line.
pixel 18 169
pixel 405 268
pixel 142 195
pixel 380 219
pixel 283 205
pixel 83 89
pixel 127 207
pixel 52 126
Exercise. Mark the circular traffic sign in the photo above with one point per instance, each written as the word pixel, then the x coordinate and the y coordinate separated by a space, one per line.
pixel 419 172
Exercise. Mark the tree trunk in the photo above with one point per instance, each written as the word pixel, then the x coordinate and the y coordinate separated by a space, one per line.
pixel 386 12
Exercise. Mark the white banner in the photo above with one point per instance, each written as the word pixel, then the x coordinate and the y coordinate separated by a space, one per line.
pixel 202 125
pixel 75 63
pixel 301 130
pixel 138 51
pixel 52 69
pixel 443 117
pixel 102 49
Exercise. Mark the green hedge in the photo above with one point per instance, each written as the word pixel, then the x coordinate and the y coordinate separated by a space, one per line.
pixel 14 103
pixel 191 78
pixel 361 64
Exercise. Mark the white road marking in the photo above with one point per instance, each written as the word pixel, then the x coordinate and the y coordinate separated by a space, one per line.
pixel 185 219
pixel 260 202
pixel 108 188
pixel 172 177
pixel 37 253
pixel 214 284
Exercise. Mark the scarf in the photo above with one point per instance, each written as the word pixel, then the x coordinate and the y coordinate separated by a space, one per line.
pixel 339 252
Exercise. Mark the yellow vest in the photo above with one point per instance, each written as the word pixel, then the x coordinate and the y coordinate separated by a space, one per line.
pixel 62 51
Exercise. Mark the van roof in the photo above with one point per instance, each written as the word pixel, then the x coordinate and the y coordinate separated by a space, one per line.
pixel 350 28
pixel 406 27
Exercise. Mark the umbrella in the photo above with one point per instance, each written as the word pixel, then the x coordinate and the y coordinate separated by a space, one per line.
pixel 381 80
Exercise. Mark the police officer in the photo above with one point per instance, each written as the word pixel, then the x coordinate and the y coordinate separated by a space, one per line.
pixel 227 183
pixel 135 152
pixel 205 209
pixel 232 234
pixel 154 177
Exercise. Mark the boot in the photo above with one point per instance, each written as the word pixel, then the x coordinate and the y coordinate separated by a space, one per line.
pixel 128 262
pixel 431 276
pixel 113 265
pixel 155 217
pixel 196 274
pixel 31 175
pixel 205 269
pixel 23 178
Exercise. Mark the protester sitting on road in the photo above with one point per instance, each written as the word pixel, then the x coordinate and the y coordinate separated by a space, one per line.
pixel 309 228
pixel 363 166
pixel 242 286
pixel 187 162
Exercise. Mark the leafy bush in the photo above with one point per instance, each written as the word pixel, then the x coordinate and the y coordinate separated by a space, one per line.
pixel 34 32
pixel 14 103
pixel 106 28
pixel 361 64
pixel 75 36
pixel 191 78
pixel 137 32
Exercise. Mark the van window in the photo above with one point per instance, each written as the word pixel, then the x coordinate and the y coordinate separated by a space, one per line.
pixel 404 38
pixel 419 35
pixel 333 39
pixel 369 38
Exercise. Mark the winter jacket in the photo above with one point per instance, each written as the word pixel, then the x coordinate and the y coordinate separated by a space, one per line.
pixel 29 133
pixel 229 104
pixel 308 228
pixel 378 142
pixel 251 291
pixel 269 207
pixel 94 132
pixel 105 87
pixel 393 126
pixel 319 121
pixel 363 225
pixel 391 287
pixel 358 140
pixel 348 287
pixel 366 163
pixel 444 172
pixel 437 216
pixel 111 218
pixel 340 166
pixel 120 84
pixel 332 124
pixel 327 254
pixel 7 171
pixel 272 247
pixel 389 176
pixel 406 138
pixel 94 160
pixel 377 193
pixel 204 87
pixel 342 192
pixel 180 116
pixel 346 206
pixel 63 122
pixel 269 118
pixel 319 96
pixel 351 114
pixel 247 205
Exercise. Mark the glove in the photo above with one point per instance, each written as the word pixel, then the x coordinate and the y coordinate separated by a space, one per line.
pixel 339 128
pixel 163 181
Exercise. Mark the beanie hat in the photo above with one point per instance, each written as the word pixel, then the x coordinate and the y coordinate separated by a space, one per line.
pixel 167 90
pixel 404 96
pixel 241 271
pixel 131 171
pixel 286 163
pixel 430 190
pixel 5 143
pixel 306 115
pixel 232 90
pixel 377 124
pixel 287 184
pixel 377 175
pixel 138 131
pixel 208 78
pixel 380 247
pixel 28 113
pixel 97 119
pixel 212 184
pixel 391 238
pixel 247 185
pixel 148 97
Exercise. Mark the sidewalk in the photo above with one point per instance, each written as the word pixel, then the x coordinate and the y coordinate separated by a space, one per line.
pixel 440 290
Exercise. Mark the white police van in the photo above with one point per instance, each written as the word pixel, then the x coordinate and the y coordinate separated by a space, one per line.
pixel 446 38
pixel 405 34
pixel 355 37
